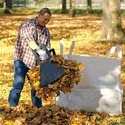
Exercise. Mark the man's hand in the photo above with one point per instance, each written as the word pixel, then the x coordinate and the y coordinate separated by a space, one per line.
pixel 42 54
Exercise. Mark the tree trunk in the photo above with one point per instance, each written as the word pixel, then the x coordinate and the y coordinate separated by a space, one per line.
pixel 111 21
pixel 63 6
pixel 8 8
pixel 89 6
pixel 72 8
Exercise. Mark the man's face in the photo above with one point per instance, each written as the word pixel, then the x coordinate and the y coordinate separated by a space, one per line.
pixel 43 19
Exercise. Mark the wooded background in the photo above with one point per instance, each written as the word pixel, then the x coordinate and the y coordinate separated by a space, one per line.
pixel 55 3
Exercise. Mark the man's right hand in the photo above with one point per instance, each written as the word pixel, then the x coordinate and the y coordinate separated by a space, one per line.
pixel 42 54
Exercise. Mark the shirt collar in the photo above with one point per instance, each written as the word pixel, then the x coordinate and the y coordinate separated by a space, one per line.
pixel 36 21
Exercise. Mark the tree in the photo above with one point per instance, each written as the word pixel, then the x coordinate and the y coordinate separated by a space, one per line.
pixel 72 8
pixel 8 8
pixel 111 21
pixel 63 6
pixel 89 6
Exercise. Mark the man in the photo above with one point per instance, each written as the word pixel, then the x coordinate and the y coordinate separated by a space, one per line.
pixel 31 33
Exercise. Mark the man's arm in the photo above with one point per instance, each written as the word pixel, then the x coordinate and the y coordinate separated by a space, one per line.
pixel 33 45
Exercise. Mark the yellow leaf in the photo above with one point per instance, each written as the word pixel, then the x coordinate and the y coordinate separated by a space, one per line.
pixel 8 123
pixel 80 67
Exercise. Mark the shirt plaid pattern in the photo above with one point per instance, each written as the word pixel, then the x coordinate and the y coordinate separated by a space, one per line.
pixel 29 30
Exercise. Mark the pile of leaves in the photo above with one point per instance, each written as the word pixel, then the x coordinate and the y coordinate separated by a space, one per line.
pixel 65 83
pixel 26 114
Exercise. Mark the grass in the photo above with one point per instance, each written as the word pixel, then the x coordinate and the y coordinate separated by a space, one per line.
pixel 27 11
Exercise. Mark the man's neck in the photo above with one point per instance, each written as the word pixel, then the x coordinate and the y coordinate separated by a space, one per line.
pixel 41 27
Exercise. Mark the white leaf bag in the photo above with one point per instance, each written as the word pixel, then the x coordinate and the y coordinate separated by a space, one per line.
pixel 100 89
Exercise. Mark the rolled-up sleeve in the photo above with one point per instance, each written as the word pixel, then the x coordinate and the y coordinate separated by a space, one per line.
pixel 48 44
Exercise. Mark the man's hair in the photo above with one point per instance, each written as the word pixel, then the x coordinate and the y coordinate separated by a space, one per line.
pixel 45 10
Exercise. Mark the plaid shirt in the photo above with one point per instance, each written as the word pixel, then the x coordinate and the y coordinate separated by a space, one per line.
pixel 29 30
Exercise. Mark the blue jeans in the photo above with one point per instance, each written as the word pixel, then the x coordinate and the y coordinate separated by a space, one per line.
pixel 20 70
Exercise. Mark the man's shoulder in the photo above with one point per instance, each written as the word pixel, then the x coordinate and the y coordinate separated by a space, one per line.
pixel 31 22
